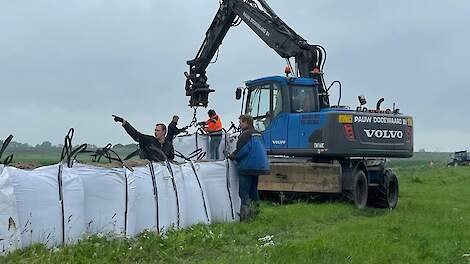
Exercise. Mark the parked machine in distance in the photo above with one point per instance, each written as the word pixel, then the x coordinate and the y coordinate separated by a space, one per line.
pixel 459 158
pixel 314 147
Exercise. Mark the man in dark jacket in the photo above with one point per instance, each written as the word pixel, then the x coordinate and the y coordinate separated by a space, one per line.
pixel 252 161
pixel 173 130
pixel 155 147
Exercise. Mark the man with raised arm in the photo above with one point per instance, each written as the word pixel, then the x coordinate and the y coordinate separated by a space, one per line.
pixel 156 147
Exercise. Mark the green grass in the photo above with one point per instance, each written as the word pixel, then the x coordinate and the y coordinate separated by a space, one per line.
pixel 52 157
pixel 422 158
pixel 431 224
pixel 42 158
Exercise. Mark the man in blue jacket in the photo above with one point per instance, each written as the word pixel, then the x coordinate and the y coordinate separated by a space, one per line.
pixel 252 161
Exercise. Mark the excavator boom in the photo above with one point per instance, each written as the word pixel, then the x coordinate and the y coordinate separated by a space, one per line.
pixel 309 59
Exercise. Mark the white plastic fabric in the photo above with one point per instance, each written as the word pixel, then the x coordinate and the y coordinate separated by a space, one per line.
pixel 185 144
pixel 73 201
pixel 9 231
pixel 105 198
pixel 192 197
pixel 37 201
pixel 230 143
pixel 144 204
pixel 188 208
pixel 222 189
pixel 167 199
pixel 111 200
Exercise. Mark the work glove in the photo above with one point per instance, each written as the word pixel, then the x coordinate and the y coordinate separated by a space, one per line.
pixel 203 123
pixel 118 119
pixel 185 128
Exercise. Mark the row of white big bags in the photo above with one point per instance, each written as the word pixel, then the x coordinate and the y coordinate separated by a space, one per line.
pixel 57 205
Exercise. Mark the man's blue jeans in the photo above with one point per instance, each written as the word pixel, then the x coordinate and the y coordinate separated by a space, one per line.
pixel 248 189
pixel 214 146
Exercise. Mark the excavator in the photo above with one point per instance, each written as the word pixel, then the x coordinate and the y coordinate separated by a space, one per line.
pixel 314 146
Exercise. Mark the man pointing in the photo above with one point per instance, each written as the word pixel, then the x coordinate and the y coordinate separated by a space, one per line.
pixel 155 147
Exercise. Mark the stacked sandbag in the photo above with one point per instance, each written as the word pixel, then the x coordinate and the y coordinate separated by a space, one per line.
pixel 221 184
pixel 38 205
pixel 228 144
pixel 73 197
pixel 56 205
pixel 107 193
pixel 168 203
pixel 155 204
pixel 144 203
pixel 176 199
pixel 186 144
pixel 192 195
pixel 10 238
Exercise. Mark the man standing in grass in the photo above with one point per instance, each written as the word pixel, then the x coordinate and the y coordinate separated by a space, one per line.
pixel 252 161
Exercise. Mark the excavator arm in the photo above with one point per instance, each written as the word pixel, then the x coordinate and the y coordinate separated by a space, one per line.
pixel 309 59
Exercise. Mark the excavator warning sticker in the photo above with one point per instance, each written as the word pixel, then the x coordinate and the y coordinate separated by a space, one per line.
pixel 345 119
pixel 380 120
pixel 409 121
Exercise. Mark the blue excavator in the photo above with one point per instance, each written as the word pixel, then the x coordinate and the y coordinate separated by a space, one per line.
pixel 314 146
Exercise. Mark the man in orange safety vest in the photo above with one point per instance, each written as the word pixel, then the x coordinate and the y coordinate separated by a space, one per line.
pixel 213 126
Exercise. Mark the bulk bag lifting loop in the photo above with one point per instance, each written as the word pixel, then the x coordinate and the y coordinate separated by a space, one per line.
pixel 227 174
pixel 197 152
pixel 155 193
pixel 4 146
pixel 154 181
pixel 97 155
pixel 202 191
pixel 168 165
pixel 67 153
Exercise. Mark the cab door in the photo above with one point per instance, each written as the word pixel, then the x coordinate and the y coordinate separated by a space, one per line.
pixel 304 120
pixel 265 105
pixel 279 119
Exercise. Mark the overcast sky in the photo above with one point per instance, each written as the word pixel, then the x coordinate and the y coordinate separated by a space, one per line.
pixel 74 63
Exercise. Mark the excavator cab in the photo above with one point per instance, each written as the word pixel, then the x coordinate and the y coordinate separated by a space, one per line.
pixel 291 115
pixel 284 110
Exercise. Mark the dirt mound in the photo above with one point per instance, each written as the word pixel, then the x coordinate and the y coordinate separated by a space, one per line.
pixel 26 165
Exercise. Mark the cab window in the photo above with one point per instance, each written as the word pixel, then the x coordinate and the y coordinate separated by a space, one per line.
pixel 303 99
pixel 258 106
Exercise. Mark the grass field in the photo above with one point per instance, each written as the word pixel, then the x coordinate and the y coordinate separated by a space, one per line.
pixel 431 224
pixel 52 157
pixel 41 158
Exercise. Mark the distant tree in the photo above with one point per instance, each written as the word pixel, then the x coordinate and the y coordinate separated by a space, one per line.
pixel 20 146
pixel 91 146
pixel 422 150
pixel 46 145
